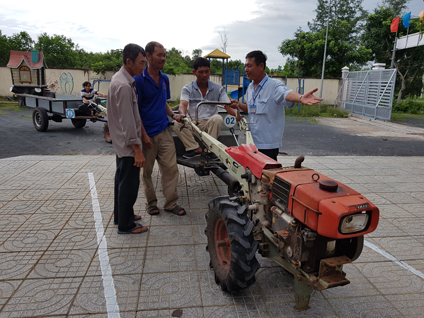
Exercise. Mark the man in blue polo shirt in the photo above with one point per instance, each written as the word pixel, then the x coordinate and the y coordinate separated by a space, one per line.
pixel 266 101
pixel 158 144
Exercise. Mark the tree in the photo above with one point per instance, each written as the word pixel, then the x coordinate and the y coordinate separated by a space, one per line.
pixel 234 64
pixel 196 53
pixel 59 51
pixel 83 58
pixel 397 6
pixel 188 61
pixel 291 68
pixel 4 50
pixel 409 63
pixel 175 63
pixel 21 41
pixel 308 49
pixel 350 11
pixel 277 71
pixel 216 66
pixel 224 40
pixel 109 61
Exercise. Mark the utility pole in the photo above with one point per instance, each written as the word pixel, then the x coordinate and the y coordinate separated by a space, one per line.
pixel 325 51
pixel 392 64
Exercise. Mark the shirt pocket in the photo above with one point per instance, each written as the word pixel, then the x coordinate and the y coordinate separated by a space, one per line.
pixel 262 106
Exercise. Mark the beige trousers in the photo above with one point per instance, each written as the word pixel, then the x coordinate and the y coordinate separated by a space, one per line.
pixel 212 126
pixel 163 151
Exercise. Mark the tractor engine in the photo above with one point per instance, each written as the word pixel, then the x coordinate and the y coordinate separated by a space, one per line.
pixel 313 217
pixel 296 242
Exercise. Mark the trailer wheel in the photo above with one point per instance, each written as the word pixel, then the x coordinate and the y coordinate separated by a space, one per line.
pixel 40 119
pixel 78 123
pixel 231 246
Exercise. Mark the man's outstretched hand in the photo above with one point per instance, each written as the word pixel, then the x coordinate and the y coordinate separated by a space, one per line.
pixel 310 99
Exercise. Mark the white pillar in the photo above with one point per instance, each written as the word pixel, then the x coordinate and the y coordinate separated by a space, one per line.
pixel 345 73
pixel 379 66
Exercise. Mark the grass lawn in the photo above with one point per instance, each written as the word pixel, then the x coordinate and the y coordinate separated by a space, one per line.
pixel 416 120
pixel 316 111
pixel 174 103
pixel 7 106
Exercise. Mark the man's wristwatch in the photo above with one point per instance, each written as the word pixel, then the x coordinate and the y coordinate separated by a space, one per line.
pixel 300 99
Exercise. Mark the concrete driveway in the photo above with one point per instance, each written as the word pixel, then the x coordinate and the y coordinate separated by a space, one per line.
pixel 60 255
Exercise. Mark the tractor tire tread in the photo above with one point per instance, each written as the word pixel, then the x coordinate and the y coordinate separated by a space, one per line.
pixel 243 247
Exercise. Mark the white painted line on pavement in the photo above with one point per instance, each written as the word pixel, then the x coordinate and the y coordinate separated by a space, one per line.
pixel 108 284
pixel 392 258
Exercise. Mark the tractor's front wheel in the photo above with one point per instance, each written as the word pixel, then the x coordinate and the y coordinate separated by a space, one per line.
pixel 231 246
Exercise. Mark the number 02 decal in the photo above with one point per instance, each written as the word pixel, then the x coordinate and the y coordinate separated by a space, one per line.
pixel 229 121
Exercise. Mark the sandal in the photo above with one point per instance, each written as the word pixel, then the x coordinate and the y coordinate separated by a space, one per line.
pixel 177 210
pixel 153 210
pixel 136 218
pixel 137 230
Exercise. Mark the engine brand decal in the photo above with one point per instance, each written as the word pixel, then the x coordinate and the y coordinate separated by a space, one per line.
pixel 362 206
pixel 234 169
pixel 228 162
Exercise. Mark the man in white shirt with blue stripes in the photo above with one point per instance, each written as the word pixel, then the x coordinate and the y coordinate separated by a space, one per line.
pixel 209 121
pixel 266 101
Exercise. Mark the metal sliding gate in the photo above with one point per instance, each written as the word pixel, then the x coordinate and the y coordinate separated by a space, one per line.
pixel 369 93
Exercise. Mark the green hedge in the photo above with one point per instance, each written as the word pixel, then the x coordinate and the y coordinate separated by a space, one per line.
pixel 408 107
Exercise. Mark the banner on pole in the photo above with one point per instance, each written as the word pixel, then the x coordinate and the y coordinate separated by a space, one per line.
pixel 406 18
pixel 395 24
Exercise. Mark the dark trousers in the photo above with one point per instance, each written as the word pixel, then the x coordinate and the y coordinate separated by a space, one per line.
pixel 272 153
pixel 127 181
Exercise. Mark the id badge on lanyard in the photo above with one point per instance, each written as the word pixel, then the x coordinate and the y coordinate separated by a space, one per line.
pixel 254 97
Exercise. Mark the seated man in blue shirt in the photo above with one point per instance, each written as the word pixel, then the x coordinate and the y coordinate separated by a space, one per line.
pixel 266 101
pixel 209 121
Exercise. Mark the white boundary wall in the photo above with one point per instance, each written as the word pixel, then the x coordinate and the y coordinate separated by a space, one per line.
pixel 69 81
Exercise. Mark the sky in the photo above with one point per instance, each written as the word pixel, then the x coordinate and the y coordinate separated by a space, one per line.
pixel 186 25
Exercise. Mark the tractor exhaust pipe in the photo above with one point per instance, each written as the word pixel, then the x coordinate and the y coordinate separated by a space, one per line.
pixel 229 180
pixel 298 162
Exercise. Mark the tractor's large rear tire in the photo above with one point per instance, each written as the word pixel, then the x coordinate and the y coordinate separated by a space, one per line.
pixel 231 246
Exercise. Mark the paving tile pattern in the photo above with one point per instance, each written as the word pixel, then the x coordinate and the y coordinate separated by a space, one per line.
pixel 49 253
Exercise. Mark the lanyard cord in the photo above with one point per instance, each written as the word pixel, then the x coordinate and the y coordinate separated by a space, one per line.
pixel 257 94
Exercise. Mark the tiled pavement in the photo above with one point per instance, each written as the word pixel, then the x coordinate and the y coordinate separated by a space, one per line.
pixel 51 263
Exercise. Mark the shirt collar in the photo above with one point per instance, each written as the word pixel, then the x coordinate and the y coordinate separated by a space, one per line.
pixel 146 74
pixel 262 83
pixel 128 76
pixel 210 85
